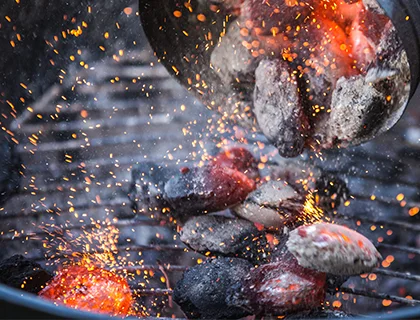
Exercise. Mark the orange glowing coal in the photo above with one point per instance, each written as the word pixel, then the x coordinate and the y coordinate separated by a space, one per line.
pixel 334 37
pixel 90 289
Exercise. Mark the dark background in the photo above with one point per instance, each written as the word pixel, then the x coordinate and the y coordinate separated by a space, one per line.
pixel 37 58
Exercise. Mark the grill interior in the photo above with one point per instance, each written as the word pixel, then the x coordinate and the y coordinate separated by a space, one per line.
pixel 82 140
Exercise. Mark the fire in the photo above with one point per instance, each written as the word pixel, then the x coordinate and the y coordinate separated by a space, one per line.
pixel 88 277
pixel 90 289
pixel 328 37
pixel 311 212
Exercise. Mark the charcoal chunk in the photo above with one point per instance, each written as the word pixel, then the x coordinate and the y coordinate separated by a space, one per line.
pixel 207 189
pixel 224 236
pixel 279 288
pixel 9 169
pixel 147 184
pixel 202 291
pixel 333 249
pixel 278 108
pixel 22 273
pixel 368 104
pixel 239 159
pixel 273 205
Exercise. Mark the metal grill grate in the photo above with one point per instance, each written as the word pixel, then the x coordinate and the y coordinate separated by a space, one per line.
pixel 90 134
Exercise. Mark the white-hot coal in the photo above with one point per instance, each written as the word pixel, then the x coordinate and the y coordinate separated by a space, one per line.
pixel 332 248
pixel 274 204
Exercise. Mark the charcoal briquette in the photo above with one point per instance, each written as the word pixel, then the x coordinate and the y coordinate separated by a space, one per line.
pixel 280 288
pixel 202 290
pixel 22 273
pixel 206 189
pixel 227 237
pixel 278 107
pixel 274 205
pixel 333 249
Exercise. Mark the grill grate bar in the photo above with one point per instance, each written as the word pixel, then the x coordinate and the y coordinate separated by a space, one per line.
pixel 183 268
pixel 136 248
pixel 152 292
pixel 126 122
pixel 127 223
pixel 396 274
pixel 381 296
pixel 375 295
pixel 399 248
pixel 133 269
pixel 98 142
pixel 394 181
pixel 119 224
pixel 363 218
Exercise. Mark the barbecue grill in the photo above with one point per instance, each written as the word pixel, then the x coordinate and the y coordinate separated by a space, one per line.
pixel 81 141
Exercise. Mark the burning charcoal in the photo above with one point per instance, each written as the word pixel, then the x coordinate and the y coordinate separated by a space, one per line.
pixel 358 109
pixel 279 288
pixel 331 191
pixel 147 185
pixel 230 59
pixel 333 249
pixel 319 314
pixel 90 289
pixel 278 108
pixel 9 169
pixel 22 273
pixel 368 104
pixel 274 205
pixel 202 291
pixel 239 159
pixel 207 189
pixel 224 236
pixel 235 66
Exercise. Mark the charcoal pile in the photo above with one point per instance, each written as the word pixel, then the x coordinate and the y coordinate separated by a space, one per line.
pixel 267 251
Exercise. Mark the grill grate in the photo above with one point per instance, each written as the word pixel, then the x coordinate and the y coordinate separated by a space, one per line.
pixel 90 135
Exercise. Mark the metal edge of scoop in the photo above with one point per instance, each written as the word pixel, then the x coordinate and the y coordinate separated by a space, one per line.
pixel 405 15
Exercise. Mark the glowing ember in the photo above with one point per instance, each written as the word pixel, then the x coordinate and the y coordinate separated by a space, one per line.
pixel 90 289
pixel 333 249
pixel 239 159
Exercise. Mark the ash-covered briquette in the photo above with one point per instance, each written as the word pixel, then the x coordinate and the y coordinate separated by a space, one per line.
pixel 334 249
pixel 9 168
pixel 318 314
pixel 278 107
pixel 368 104
pixel 274 205
pixel 22 273
pixel 206 189
pixel 280 288
pixel 224 236
pixel 147 185
pixel 202 290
